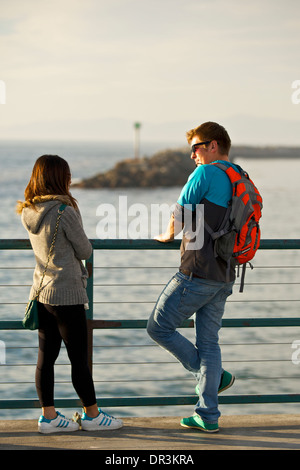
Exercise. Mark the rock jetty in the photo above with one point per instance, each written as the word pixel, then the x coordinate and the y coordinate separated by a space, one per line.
pixel 165 168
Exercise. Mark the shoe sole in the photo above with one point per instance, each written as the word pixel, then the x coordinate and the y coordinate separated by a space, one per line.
pixel 200 428
pixel 101 428
pixel 227 386
pixel 54 430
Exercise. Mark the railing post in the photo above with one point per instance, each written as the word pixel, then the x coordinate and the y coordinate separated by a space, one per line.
pixel 90 285
pixel 90 311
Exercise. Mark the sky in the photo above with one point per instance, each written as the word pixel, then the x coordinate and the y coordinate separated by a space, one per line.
pixel 90 69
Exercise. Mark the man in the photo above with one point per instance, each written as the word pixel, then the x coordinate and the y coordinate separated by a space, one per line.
pixel 204 280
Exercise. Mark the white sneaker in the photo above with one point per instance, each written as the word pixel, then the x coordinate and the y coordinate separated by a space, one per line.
pixel 58 424
pixel 102 422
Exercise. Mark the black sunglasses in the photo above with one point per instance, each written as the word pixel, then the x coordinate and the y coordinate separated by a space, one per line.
pixel 195 146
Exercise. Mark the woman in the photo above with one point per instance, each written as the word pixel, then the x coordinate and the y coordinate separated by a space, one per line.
pixel 63 296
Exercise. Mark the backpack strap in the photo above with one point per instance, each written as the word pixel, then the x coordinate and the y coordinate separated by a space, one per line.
pixel 243 275
pixel 222 228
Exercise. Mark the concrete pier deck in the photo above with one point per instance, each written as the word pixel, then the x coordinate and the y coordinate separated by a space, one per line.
pixel 164 434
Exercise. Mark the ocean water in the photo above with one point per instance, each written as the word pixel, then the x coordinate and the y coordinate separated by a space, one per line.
pixel 127 284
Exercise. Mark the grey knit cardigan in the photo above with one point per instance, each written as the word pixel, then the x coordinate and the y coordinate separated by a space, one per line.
pixel 66 277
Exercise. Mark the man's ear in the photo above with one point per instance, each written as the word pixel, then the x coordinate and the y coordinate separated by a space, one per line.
pixel 214 146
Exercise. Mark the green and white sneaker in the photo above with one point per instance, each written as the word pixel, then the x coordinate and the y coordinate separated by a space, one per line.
pixel 227 381
pixel 58 424
pixel 196 422
pixel 102 422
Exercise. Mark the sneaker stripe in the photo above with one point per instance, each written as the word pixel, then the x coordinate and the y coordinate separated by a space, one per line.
pixel 106 421
pixel 63 423
pixel 102 420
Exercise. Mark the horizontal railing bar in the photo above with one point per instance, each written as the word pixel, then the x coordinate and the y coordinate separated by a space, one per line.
pixel 249 284
pixel 17 267
pixel 148 244
pixel 15 285
pixel 282 266
pixel 233 361
pixel 149 302
pixel 154 401
pixel 15 244
pixel 175 267
pixel 154 379
pixel 30 364
pixel 153 267
pixel 163 283
pixel 127 324
pixel 154 301
pixel 154 345
pixel 226 322
pixel 128 363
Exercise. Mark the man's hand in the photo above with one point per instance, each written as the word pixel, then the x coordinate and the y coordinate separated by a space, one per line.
pixel 172 230
pixel 164 238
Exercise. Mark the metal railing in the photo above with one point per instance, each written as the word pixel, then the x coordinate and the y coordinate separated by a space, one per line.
pixel 114 325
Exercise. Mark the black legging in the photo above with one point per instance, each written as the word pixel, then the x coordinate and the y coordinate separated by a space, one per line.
pixel 67 323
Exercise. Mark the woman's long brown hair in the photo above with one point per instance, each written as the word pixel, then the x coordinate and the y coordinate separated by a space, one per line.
pixel 50 176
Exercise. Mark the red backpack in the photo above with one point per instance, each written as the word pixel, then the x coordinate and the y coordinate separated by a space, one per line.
pixel 239 235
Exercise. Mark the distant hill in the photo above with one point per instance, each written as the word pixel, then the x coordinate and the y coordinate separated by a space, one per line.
pixel 244 151
pixel 170 167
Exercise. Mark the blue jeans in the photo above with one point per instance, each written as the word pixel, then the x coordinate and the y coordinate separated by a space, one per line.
pixel 180 299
